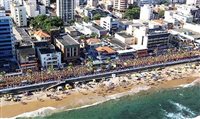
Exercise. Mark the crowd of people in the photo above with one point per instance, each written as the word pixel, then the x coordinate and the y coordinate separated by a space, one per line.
pixel 82 70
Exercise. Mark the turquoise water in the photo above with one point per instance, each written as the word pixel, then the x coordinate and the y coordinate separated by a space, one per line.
pixel 179 103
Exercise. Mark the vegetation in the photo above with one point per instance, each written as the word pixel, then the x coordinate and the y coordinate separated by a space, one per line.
pixel 161 14
pixel 166 2
pixel 86 18
pixel 71 22
pixel 132 13
pixel 94 35
pixel 82 37
pixel 46 23
pixel 97 16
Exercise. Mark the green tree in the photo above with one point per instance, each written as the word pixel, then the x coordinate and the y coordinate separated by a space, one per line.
pixel 86 19
pixel 82 37
pixel 2 74
pixel 166 2
pixel 94 35
pixel 133 13
pixel 161 13
pixel 46 23
pixel 97 16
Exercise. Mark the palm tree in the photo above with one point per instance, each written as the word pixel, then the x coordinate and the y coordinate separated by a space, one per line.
pixel 70 65
pixel 108 60
pixel 50 69
pixel 2 74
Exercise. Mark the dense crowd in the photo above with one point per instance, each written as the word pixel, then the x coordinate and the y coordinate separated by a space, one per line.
pixel 82 70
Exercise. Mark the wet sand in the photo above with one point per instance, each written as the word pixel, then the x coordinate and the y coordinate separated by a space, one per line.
pixel 121 86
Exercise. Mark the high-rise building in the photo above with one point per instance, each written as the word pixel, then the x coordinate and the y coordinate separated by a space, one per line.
pixel 45 2
pixel 5 4
pixel 146 12
pixel 65 10
pixel 120 5
pixel 92 3
pixel 18 13
pixel 31 8
pixel 193 2
pixel 6 37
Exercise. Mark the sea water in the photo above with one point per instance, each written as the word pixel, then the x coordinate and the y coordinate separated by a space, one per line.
pixel 177 103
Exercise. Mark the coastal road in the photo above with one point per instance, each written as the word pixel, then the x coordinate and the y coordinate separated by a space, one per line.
pixel 44 85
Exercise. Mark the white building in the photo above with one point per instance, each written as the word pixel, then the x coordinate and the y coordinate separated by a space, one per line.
pixel 18 13
pixel 192 27
pixel 31 8
pixel 48 58
pixel 193 2
pixel 146 13
pixel 150 2
pixel 5 4
pixel 124 38
pixel 92 3
pixel 89 28
pixel 42 9
pixel 131 28
pixel 65 10
pixel 152 37
pixel 45 2
pixel 183 14
pixel 109 23
pixel 120 5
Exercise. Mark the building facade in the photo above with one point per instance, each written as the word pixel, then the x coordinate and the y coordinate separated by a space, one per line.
pixel 146 13
pixel 5 4
pixel 193 2
pixel 49 58
pixel 18 14
pixel 154 37
pixel 109 23
pixel 45 2
pixel 6 38
pixel 69 47
pixel 120 5
pixel 31 8
pixel 65 10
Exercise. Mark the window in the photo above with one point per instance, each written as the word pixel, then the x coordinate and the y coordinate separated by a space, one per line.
pixel 142 40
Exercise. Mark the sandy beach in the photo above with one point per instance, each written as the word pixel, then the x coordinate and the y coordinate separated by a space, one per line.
pixel 93 92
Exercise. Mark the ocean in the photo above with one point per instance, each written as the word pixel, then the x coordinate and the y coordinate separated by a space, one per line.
pixel 177 103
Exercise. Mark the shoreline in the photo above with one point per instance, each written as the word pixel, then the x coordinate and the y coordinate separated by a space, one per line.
pixel 82 98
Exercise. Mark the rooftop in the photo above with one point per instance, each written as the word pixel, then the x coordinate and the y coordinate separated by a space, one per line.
pixel 67 40
pixel 98 27
pixel 40 33
pixel 70 28
pixel 22 34
pixel 93 41
pixel 8 66
pixel 26 54
pixel 105 49
pixel 118 43
pixel 187 32
pixel 138 47
pixel 47 50
pixel 125 35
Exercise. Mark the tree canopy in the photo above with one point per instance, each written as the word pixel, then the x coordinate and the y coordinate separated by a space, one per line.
pixel 166 2
pixel 46 23
pixel 161 13
pixel 86 19
pixel 132 13
pixel 97 16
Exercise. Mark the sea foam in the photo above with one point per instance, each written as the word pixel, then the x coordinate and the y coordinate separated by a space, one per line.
pixel 40 112
pixel 179 114
pixel 49 110
pixel 113 97
pixel 197 81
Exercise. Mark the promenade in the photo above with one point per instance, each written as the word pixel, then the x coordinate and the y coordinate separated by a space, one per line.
pixel 47 84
